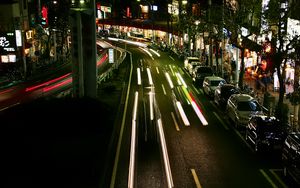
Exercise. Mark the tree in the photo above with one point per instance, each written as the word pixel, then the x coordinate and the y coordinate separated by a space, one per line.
pixel 58 22
pixel 282 45
pixel 243 14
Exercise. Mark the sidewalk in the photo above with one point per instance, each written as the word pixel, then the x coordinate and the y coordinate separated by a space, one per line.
pixel 251 81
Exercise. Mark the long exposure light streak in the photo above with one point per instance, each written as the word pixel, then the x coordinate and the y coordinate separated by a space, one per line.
pixel 133 144
pixel 182 114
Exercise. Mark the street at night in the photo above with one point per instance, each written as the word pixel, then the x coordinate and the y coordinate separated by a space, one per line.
pixel 155 94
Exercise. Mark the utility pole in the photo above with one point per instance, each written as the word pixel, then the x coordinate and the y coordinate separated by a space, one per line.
pixel 84 49
pixel 210 35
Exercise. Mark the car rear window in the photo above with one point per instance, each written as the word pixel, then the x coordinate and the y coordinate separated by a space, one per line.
pixel 248 106
pixel 215 82
pixel 204 70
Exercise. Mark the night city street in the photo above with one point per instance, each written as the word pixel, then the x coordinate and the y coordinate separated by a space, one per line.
pixel 139 98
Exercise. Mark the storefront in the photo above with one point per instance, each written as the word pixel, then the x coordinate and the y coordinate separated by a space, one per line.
pixel 9 42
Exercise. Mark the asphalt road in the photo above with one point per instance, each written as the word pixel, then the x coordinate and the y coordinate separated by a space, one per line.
pixel 200 155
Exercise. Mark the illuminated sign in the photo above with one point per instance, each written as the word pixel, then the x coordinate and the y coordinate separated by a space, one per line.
pixel 7 43
pixel 105 9
pixel 8 58
pixel 18 38
pixel 111 55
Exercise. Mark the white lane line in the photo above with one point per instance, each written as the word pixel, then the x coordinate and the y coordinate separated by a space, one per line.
pixel 196 179
pixel 139 76
pixel 242 138
pixel 2 109
pixel 175 122
pixel 222 122
pixel 278 178
pixel 172 58
pixel 149 77
pixel 163 88
pixel 157 70
pixel 268 178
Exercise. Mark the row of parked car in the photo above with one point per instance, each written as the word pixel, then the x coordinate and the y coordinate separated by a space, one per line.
pixel 263 132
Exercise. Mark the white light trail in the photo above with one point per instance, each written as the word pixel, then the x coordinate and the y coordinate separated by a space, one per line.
pixel 134 43
pixel 165 154
pixel 171 68
pixel 182 114
pixel 139 76
pixel 133 146
pixel 113 39
pixel 147 51
pixel 151 95
pixel 149 76
pixel 169 80
pixel 155 52
pixel 181 79
pixel 199 114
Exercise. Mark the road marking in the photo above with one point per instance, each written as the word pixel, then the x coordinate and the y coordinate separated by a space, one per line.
pixel 164 90
pixel 157 70
pixel 175 122
pixel 222 122
pixel 172 58
pixel 2 109
pixel 277 177
pixel 196 89
pixel 114 173
pixel 245 141
pixel 198 185
pixel 268 178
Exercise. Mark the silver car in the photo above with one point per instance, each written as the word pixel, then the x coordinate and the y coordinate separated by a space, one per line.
pixel 210 83
pixel 240 108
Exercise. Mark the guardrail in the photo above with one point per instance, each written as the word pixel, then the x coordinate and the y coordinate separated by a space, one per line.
pixel 108 73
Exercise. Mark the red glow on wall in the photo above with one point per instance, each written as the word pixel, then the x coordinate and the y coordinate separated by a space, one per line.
pixel 128 12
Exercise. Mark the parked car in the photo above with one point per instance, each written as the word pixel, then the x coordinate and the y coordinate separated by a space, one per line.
pixel 190 63
pixel 291 156
pixel 265 132
pixel 210 83
pixel 240 107
pixel 200 73
pixel 223 92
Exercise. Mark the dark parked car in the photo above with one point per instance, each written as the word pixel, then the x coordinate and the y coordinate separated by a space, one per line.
pixel 265 132
pixel 200 73
pixel 291 156
pixel 223 92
